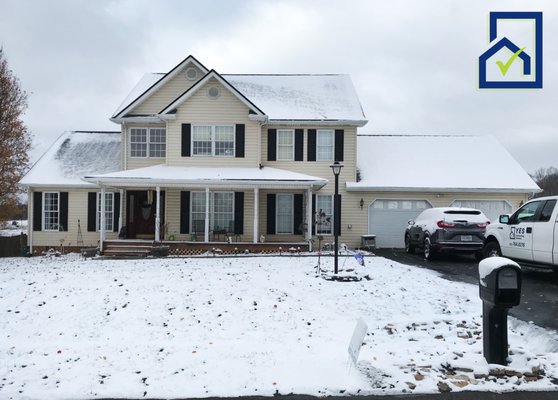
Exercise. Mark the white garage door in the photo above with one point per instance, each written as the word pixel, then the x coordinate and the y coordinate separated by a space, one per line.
pixel 491 208
pixel 387 220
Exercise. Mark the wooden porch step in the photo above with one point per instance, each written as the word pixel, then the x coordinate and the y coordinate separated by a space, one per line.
pixel 135 248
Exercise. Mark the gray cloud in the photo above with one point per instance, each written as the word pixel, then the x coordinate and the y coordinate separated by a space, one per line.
pixel 413 63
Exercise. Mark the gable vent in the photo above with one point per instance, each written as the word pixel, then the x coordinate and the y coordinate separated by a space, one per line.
pixel 191 74
pixel 213 92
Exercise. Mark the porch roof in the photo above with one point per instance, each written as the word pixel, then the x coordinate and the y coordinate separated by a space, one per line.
pixel 201 177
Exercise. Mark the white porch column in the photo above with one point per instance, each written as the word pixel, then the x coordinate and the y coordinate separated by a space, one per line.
pixel 256 213
pixel 206 231
pixel 102 222
pixel 120 219
pixel 158 216
pixel 309 216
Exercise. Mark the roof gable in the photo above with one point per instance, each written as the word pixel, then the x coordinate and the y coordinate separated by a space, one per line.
pixel 171 108
pixel 136 97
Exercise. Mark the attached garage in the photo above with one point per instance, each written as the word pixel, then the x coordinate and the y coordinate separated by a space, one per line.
pixel 401 175
pixel 387 219
pixel 491 208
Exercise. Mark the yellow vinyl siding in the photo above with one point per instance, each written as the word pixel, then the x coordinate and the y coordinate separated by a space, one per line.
pixel 201 109
pixel 77 210
pixel 166 94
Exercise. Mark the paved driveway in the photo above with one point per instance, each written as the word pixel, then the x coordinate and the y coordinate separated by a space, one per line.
pixel 539 297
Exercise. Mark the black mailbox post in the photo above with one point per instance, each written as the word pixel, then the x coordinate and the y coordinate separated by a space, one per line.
pixel 500 289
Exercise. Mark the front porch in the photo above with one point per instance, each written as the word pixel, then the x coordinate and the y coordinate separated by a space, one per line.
pixel 144 248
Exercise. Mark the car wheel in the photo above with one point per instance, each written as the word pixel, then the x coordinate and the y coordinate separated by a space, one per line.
pixel 427 248
pixel 492 249
pixel 409 248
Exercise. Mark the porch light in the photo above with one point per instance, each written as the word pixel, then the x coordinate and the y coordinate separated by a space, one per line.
pixel 361 203
pixel 336 168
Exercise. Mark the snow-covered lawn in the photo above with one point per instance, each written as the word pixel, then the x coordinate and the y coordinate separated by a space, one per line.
pixel 198 327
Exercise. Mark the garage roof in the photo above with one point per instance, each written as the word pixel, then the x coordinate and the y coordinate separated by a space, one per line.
pixel 438 163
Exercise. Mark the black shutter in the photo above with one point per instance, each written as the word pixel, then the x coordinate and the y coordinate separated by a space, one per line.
pixel 271 214
pixel 186 139
pixel 116 212
pixel 239 139
pixel 337 218
pixel 271 144
pixel 91 211
pixel 311 156
pixel 37 211
pixel 339 142
pixel 239 213
pixel 184 212
pixel 297 214
pixel 299 145
pixel 63 218
pixel 313 214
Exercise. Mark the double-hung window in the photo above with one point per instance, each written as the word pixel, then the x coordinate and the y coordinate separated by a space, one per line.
pixel 109 211
pixel 285 144
pixel 324 145
pixel 284 217
pixel 324 214
pixel 148 142
pixel 213 140
pixel 51 211
pixel 221 211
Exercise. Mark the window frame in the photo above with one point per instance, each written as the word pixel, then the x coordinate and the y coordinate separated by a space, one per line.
pixel 56 212
pixel 213 140
pixel 321 132
pixel 278 145
pixel 212 207
pixel 277 213
pixel 148 142
pixel 329 231
pixel 107 213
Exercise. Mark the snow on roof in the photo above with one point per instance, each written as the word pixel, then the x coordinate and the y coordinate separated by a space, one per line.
pixel 175 175
pixel 301 97
pixel 144 83
pixel 73 155
pixel 436 163
pixel 286 97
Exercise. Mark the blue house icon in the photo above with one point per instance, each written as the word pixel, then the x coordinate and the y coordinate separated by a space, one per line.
pixel 483 59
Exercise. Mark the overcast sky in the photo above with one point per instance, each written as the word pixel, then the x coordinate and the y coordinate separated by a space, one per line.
pixel 413 63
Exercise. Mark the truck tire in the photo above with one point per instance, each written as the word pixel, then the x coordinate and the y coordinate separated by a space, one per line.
pixel 492 249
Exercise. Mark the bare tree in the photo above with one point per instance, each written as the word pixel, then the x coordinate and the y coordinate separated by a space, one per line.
pixel 15 140
pixel 547 179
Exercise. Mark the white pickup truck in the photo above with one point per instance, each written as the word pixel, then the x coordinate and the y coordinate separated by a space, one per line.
pixel 528 236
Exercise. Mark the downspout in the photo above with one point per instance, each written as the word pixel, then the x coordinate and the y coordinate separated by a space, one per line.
pixel 30 222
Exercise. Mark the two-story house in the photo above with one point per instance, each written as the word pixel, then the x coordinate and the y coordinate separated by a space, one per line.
pixel 202 159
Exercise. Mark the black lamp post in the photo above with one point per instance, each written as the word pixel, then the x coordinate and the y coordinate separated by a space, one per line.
pixel 336 168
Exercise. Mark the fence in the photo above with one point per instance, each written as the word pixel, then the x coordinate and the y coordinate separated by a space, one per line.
pixel 13 246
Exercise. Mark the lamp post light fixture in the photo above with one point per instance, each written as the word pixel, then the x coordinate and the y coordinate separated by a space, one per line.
pixel 336 168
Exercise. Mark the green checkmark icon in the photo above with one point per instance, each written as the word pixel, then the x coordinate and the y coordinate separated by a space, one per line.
pixel 504 67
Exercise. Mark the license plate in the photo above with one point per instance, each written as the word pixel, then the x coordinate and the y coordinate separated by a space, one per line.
pixel 466 238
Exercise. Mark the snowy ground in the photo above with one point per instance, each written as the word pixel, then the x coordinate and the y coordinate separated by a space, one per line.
pixel 198 327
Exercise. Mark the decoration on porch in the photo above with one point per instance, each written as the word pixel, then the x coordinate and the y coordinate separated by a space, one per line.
pixel 79 240
pixel 146 209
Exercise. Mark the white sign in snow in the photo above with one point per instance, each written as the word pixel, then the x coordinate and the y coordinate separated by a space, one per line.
pixel 357 339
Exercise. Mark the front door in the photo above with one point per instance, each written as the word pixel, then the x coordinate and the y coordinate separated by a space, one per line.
pixel 140 214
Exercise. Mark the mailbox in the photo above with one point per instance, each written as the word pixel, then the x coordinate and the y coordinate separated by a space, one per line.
pixel 500 282
pixel 500 289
